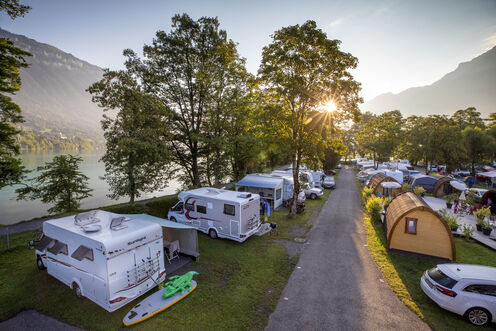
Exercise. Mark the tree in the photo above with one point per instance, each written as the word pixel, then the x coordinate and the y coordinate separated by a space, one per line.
pixel 11 60
pixel 196 71
pixel 302 70
pixel 477 145
pixel 137 157
pixel 60 183
pixel 468 117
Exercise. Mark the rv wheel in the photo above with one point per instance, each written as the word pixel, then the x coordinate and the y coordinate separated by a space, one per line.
pixel 39 263
pixel 173 219
pixel 212 234
pixel 77 290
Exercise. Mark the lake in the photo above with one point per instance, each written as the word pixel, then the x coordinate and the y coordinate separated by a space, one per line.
pixel 12 211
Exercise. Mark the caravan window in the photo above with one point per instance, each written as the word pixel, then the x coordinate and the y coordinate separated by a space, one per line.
pixel 58 248
pixel 229 210
pixel 278 194
pixel 83 252
pixel 189 206
pixel 201 209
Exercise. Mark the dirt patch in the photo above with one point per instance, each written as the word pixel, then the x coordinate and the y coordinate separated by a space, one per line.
pixel 299 231
pixel 292 248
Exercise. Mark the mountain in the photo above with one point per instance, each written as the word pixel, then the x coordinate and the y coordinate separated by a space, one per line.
pixel 52 97
pixel 472 83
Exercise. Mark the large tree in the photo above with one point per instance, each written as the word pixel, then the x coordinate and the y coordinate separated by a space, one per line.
pixel 303 70
pixel 196 71
pixel 11 60
pixel 60 183
pixel 468 117
pixel 478 146
pixel 137 156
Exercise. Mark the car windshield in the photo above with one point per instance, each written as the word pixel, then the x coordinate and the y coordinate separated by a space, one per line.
pixel 439 277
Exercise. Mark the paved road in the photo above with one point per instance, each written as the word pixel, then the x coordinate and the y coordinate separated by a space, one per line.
pixel 336 284
pixel 32 320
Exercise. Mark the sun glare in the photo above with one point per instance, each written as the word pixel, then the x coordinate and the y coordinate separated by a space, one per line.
pixel 330 106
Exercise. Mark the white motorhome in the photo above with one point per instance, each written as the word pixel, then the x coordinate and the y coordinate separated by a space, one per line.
pixel 219 213
pixel 288 188
pixel 306 181
pixel 108 258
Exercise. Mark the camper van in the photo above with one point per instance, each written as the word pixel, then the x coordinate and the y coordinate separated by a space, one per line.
pixel 219 213
pixel 108 258
pixel 306 182
pixel 288 188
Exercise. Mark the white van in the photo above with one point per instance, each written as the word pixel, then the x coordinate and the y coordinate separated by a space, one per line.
pixel 108 258
pixel 219 213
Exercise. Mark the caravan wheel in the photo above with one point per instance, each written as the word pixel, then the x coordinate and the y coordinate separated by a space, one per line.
pixel 173 219
pixel 212 234
pixel 77 290
pixel 39 263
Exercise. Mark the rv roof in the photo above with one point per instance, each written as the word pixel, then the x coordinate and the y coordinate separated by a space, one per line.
pixel 218 194
pixel 263 181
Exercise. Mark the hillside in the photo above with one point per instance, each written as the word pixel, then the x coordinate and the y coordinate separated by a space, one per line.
pixel 53 97
pixel 473 83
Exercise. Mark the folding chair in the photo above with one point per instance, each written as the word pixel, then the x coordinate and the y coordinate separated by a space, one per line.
pixel 173 250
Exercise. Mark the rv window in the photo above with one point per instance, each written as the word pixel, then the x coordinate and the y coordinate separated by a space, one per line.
pixel 58 248
pixel 189 206
pixel 411 226
pixel 278 194
pixel 201 209
pixel 229 210
pixel 44 243
pixel 83 252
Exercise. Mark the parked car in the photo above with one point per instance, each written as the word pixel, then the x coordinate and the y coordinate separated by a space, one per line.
pixel 461 172
pixel 338 166
pixel 312 192
pixel 328 182
pixel 330 172
pixel 465 289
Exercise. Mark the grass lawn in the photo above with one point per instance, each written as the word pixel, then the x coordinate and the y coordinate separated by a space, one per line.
pixel 238 286
pixel 403 273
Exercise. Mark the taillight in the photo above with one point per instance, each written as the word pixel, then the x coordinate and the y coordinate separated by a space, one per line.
pixel 446 291
pixel 119 299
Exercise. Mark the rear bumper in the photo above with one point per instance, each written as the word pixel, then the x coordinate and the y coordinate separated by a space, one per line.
pixel 440 299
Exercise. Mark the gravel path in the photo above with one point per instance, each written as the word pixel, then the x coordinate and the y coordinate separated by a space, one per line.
pixel 336 284
pixel 32 320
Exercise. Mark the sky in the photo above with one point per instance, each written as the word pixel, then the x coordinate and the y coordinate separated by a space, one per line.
pixel 399 43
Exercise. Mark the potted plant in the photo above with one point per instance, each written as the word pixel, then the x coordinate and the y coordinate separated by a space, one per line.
pixel 487 227
pixel 449 200
pixel 450 219
pixel 480 214
pixel 419 190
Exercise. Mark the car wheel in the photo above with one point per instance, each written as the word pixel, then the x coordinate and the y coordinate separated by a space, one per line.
pixel 478 316
pixel 173 219
pixel 313 196
pixel 77 290
pixel 212 234
pixel 39 263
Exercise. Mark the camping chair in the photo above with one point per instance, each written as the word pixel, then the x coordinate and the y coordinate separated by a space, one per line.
pixel 173 250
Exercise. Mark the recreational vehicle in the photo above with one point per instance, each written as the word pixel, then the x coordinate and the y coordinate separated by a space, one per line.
pixel 306 182
pixel 288 188
pixel 219 213
pixel 108 258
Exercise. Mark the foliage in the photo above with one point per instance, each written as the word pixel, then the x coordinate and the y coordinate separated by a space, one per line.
pixel 470 198
pixel 478 145
pixel 301 71
pixel 451 197
pixel 406 187
pixel 451 219
pixel 34 140
pixel 468 118
pixel 11 60
pixel 419 190
pixel 374 208
pixel 366 194
pixel 486 224
pixel 137 138
pixel 482 213
pixel 468 231
pixel 60 183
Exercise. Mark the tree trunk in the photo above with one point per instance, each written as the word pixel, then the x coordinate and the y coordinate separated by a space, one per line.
pixel 132 184
pixel 296 180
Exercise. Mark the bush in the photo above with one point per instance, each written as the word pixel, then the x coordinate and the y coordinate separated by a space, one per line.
pixel 127 209
pixel 468 231
pixel 161 207
pixel 419 190
pixel 451 197
pixel 366 194
pixel 450 218
pixel 374 207
pixel 406 187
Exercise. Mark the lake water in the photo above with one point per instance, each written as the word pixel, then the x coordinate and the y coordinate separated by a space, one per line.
pixel 12 211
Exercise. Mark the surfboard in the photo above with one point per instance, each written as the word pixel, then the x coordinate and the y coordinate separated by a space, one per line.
pixel 153 305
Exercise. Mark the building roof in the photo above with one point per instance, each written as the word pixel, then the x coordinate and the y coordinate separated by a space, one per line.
pixel 441 181
pixel 254 180
pixel 378 178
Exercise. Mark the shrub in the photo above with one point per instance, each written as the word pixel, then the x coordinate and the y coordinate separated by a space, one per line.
pixel 450 218
pixel 160 207
pixel 406 187
pixel 451 197
pixel 366 194
pixel 374 207
pixel 470 199
pixel 418 190
pixel 468 231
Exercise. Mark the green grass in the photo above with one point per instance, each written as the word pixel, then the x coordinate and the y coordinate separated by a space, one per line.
pixel 403 272
pixel 238 287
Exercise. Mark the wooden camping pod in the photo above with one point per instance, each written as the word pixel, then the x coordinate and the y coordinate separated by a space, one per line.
pixel 442 187
pixel 491 194
pixel 412 226
pixel 375 184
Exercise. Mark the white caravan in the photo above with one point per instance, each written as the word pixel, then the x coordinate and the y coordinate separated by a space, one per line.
pixel 219 213
pixel 108 258
pixel 306 182
pixel 288 188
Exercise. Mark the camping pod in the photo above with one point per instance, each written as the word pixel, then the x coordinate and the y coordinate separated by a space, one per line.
pixel 412 226
pixel 425 181
pixel 376 183
pixel 489 198
pixel 442 187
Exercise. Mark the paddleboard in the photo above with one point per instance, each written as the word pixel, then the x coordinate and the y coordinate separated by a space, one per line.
pixel 153 305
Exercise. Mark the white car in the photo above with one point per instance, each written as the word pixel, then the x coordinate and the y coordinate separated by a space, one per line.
pixel 328 182
pixel 465 289
pixel 312 192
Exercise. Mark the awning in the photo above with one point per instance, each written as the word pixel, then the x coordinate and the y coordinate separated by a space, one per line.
pixel 458 185
pixel 260 181
pixel 390 185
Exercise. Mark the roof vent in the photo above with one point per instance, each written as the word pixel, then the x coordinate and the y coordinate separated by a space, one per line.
pixel 91 228
pixel 116 223
pixel 87 218
pixel 244 195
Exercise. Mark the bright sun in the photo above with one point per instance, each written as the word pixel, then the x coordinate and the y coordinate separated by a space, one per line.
pixel 330 106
